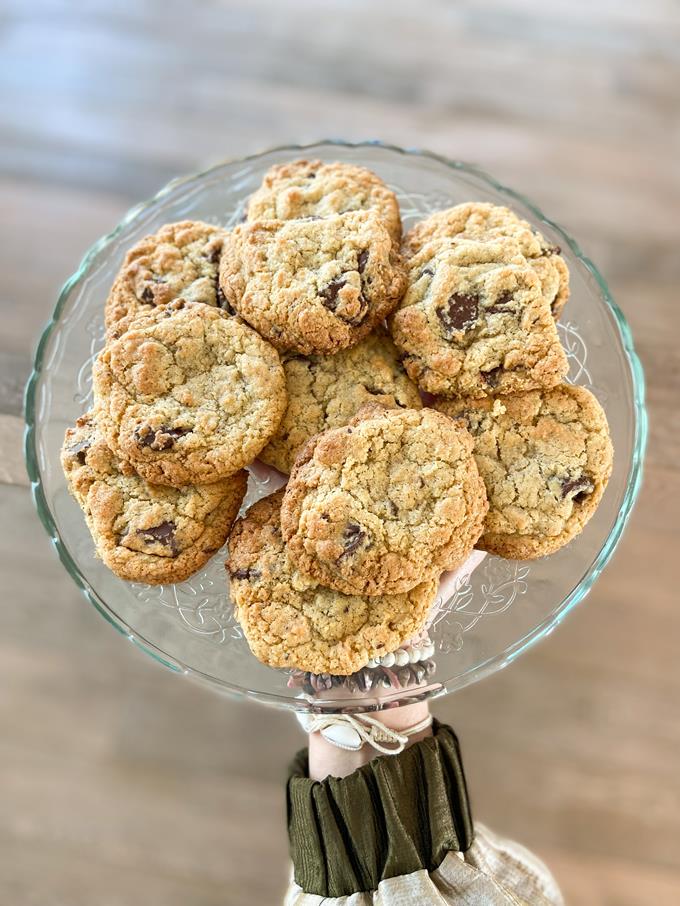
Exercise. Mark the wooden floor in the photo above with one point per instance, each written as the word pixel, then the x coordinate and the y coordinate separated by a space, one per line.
pixel 120 784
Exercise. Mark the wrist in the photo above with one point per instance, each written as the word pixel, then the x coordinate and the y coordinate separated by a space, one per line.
pixel 326 759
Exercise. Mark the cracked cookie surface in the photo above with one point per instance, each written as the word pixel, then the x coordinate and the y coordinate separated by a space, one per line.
pixel 144 532
pixel 188 394
pixel 473 321
pixel 291 621
pixel 312 286
pixel 326 391
pixel 312 188
pixel 181 260
pixel 374 507
pixel 482 222
pixel 545 457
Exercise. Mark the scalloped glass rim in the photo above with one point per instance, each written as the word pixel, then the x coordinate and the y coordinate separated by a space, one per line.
pixel 486 667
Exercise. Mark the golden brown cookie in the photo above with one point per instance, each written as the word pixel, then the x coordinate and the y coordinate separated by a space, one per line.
pixel 326 391
pixel 377 506
pixel 545 457
pixel 474 322
pixel 188 394
pixel 145 532
pixel 482 222
pixel 291 621
pixel 181 260
pixel 312 286
pixel 312 188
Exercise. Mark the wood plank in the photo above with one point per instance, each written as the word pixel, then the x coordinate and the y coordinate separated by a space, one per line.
pixel 595 881
pixel 12 468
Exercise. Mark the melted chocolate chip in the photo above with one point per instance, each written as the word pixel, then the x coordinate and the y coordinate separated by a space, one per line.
pixel 500 303
pixel 426 272
pixel 329 294
pixel 352 538
pixel 250 573
pixel 162 438
pixel 79 450
pixel 459 313
pixel 145 436
pixel 362 260
pixel 362 312
pixel 578 488
pixel 174 433
pixel 147 294
pixel 162 534
pixel 492 377
pixel 222 302
pixel 552 250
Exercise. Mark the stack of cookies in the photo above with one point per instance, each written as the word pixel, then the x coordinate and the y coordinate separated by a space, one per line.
pixel 476 328
pixel 310 336
pixel 184 397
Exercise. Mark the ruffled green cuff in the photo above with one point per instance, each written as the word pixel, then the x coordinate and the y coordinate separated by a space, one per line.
pixel 396 815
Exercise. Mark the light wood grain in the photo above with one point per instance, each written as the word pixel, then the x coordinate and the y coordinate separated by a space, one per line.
pixel 120 783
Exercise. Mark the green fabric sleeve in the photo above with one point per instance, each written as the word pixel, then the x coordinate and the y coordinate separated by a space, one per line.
pixel 396 815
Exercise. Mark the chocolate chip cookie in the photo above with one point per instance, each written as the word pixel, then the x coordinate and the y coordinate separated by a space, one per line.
pixel 326 391
pixel 377 506
pixel 181 260
pixel 144 532
pixel 291 621
pixel 482 222
pixel 545 457
pixel 304 188
pixel 474 322
pixel 188 394
pixel 312 286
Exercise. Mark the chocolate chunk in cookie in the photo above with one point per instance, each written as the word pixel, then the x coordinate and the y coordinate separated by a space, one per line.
pixel 459 313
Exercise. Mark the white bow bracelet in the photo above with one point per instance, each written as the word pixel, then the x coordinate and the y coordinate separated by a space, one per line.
pixel 353 731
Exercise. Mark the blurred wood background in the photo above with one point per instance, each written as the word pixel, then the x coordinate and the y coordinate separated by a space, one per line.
pixel 122 784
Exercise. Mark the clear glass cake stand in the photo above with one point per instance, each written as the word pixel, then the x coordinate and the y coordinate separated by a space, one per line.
pixel 490 619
